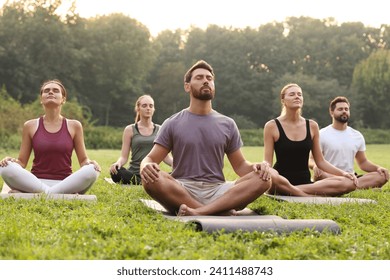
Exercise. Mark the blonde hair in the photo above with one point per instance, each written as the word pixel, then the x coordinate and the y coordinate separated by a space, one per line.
pixel 137 103
pixel 283 93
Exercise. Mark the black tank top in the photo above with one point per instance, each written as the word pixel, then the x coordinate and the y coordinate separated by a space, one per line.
pixel 292 156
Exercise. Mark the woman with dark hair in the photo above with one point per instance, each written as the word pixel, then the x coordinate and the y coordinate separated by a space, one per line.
pixel 52 138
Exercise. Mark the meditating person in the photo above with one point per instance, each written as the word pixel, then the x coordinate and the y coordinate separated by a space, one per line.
pixel 199 137
pixel 292 137
pixel 52 138
pixel 137 138
pixel 341 145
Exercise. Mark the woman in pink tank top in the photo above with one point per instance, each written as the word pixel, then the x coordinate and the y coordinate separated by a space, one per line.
pixel 53 138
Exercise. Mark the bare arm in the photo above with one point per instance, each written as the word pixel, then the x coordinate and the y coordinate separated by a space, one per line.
pixel 76 130
pixel 242 167
pixel 149 169
pixel 319 159
pixel 29 129
pixel 368 166
pixel 364 163
pixel 270 136
pixel 125 151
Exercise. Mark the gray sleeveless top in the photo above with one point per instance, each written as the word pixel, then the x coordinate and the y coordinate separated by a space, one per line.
pixel 140 147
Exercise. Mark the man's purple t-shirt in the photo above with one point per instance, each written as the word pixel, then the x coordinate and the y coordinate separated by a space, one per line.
pixel 198 144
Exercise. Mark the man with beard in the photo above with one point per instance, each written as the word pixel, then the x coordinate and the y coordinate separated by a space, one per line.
pixel 341 145
pixel 199 137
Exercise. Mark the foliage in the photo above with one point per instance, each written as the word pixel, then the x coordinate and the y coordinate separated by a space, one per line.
pixel 243 122
pixel 106 62
pixel 71 110
pixel 376 136
pixel 12 114
pixel 166 88
pixel 118 58
pixel 119 227
pixel 371 83
pixel 103 137
pixel 35 46
pixel 252 137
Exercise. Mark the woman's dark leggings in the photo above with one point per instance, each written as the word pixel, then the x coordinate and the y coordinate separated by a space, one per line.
pixel 124 176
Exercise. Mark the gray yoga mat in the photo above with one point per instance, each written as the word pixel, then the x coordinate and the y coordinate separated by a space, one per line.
pixel 251 222
pixel 320 199
pixel 49 196
pixel 6 194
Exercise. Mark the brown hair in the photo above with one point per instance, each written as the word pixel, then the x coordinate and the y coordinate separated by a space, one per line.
pixel 336 100
pixel 137 103
pixel 201 64
pixel 58 82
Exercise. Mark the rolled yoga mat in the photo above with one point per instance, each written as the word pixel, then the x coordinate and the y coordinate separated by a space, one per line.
pixel 252 222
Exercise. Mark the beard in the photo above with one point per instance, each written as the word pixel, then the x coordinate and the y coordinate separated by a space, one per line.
pixel 205 93
pixel 342 118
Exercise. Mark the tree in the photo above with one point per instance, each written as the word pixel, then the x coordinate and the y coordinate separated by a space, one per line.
pixel 118 57
pixel 325 49
pixel 371 90
pixel 166 77
pixel 12 115
pixel 35 46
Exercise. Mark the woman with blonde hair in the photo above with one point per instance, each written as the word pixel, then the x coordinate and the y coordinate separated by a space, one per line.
pixel 52 138
pixel 291 137
pixel 139 139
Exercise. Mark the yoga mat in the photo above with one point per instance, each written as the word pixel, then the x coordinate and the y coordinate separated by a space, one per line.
pixel 49 196
pixel 252 222
pixel 5 188
pixel 320 199
pixel 158 207
pixel 110 181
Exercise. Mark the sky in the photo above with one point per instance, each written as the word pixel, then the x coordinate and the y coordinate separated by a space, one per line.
pixel 158 15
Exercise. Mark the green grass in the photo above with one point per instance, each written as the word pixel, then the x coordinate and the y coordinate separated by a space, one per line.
pixel 119 226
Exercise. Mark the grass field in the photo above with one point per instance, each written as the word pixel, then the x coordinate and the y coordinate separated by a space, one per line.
pixel 119 227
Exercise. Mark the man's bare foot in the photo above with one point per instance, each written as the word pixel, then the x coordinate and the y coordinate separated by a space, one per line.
pixel 184 210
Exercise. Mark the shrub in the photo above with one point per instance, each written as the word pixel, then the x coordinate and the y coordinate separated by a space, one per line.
pixel 252 137
pixel 103 137
pixel 376 136
pixel 243 122
pixel 71 110
pixel 12 115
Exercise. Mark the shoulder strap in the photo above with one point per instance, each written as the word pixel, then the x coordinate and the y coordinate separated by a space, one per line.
pixel 135 128
pixel 280 128
pixel 279 125
pixel 308 134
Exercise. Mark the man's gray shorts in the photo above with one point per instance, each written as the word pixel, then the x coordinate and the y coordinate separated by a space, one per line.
pixel 205 192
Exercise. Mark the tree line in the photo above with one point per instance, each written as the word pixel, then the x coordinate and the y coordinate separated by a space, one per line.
pixel 106 62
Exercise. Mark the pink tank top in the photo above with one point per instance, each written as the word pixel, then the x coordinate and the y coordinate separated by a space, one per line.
pixel 52 152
